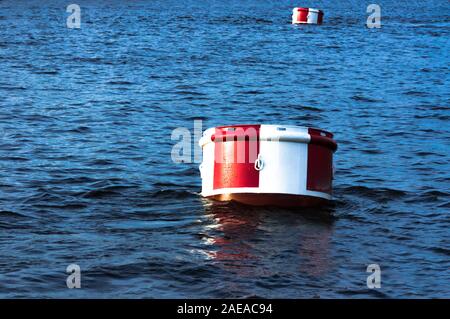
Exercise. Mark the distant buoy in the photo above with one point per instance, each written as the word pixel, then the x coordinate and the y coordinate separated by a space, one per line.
pixel 275 165
pixel 307 15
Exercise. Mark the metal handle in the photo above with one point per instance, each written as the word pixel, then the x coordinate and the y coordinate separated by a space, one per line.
pixel 259 164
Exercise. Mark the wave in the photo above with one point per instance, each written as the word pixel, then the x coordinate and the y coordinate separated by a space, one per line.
pixel 10 214
pixel 106 191
pixel 378 193
pixel 361 98
pixel 441 250
pixel 240 20
pixel 120 83
pixel 173 194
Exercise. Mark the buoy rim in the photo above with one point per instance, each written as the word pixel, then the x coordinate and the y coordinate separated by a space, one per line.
pixel 309 135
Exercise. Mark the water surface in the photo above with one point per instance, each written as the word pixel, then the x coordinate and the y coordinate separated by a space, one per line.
pixel 86 175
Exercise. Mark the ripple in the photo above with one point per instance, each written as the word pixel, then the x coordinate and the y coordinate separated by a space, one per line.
pixel 86 174
pixel 105 192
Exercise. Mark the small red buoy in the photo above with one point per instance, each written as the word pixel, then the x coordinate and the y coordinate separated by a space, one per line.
pixel 307 15
pixel 274 165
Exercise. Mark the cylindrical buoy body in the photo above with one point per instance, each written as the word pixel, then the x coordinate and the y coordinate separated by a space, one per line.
pixel 274 165
pixel 307 15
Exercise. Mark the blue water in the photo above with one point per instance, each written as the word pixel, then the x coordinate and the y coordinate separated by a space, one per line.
pixel 86 176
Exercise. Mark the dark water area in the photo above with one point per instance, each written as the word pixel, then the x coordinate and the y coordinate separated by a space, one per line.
pixel 86 175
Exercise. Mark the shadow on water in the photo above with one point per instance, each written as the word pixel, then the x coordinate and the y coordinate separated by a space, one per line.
pixel 270 241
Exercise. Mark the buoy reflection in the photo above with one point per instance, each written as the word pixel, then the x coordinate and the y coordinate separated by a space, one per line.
pixel 256 241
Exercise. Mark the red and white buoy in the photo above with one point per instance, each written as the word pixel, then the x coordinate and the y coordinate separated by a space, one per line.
pixel 275 165
pixel 307 15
